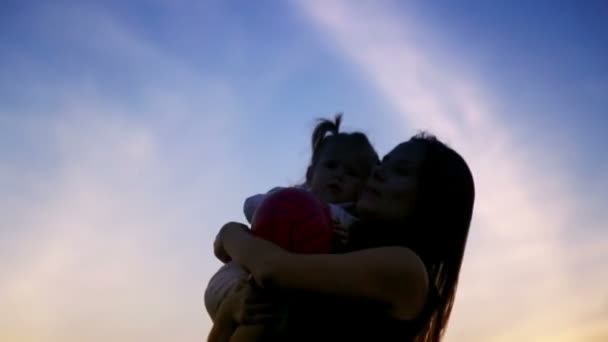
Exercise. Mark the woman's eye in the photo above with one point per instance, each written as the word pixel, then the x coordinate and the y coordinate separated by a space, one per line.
pixel 331 164
pixel 403 172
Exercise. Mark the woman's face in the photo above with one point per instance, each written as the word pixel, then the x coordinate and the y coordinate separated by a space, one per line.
pixel 390 193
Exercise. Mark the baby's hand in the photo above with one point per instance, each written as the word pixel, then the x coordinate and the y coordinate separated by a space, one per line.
pixel 340 237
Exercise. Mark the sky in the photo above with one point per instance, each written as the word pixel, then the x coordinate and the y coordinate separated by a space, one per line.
pixel 131 131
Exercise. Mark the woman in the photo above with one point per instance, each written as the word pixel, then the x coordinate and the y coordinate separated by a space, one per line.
pixel 399 282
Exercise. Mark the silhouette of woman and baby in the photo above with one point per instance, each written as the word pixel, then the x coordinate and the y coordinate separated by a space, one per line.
pixel 400 226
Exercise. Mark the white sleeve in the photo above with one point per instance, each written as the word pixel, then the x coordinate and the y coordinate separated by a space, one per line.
pixel 253 202
pixel 340 216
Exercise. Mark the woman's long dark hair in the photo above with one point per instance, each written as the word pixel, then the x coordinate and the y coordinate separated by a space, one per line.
pixel 441 220
pixel 436 229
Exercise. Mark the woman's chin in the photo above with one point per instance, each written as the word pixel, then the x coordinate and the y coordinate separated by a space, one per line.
pixel 364 209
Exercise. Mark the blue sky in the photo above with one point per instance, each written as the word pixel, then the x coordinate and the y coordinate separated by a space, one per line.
pixel 131 131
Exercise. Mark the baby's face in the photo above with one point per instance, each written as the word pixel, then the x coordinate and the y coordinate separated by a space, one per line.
pixel 340 174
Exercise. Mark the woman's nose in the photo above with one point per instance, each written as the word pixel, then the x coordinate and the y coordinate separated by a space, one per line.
pixel 378 173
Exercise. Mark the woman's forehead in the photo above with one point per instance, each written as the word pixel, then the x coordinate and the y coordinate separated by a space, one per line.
pixel 410 151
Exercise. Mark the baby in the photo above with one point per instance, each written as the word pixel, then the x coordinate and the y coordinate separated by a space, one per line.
pixel 339 167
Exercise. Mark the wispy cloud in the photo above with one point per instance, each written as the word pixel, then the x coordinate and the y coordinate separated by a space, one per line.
pixel 89 251
pixel 106 227
pixel 119 162
pixel 517 283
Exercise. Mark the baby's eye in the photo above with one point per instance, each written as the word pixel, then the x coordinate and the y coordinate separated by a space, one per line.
pixel 352 172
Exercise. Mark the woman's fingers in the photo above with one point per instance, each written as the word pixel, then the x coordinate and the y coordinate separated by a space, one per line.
pixel 262 313
pixel 261 319
pixel 218 250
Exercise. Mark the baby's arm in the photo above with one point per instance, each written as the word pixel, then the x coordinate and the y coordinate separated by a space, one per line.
pixel 263 315
pixel 261 322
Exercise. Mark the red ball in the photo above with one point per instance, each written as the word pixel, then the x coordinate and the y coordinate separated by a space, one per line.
pixel 295 220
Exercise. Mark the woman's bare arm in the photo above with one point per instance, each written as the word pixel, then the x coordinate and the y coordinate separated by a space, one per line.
pixel 394 276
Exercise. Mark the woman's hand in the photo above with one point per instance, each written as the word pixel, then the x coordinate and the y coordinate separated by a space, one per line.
pixel 251 305
pixel 218 244
pixel 235 243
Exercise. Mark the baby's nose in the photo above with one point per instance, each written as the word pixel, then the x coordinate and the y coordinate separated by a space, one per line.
pixel 339 172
